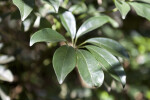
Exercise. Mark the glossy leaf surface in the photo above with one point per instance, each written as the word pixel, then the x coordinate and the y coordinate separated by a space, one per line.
pixel 110 45
pixel 46 35
pixel 64 62
pixel 89 68
pixel 109 62
pixel 69 22
pixel 25 7
pixel 123 7
pixel 91 24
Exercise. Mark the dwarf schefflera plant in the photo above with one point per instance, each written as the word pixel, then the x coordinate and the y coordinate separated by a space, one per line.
pixel 94 56
pixel 91 57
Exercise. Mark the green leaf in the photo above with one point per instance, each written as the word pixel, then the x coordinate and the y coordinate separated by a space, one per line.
pixel 146 1
pixel 89 68
pixel 109 62
pixel 78 8
pixel 69 22
pixel 123 7
pixel 46 35
pixel 112 22
pixel 25 7
pixel 91 24
pixel 64 62
pixel 142 9
pixel 55 4
pixel 110 45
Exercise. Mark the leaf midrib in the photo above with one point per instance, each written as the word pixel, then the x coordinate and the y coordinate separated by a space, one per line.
pixel 87 66
pixel 63 62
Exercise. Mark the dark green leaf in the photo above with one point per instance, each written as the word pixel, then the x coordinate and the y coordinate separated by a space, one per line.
pixel 91 24
pixel 123 7
pixel 54 3
pixel 46 35
pixel 109 62
pixel 64 62
pixel 142 9
pixel 89 68
pixel 25 7
pixel 109 44
pixel 69 22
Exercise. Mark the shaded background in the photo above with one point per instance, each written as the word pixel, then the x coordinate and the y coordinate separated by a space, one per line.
pixel 34 77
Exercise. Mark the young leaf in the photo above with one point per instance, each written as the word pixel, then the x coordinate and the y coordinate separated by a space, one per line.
pixel 142 9
pixel 69 22
pixel 89 68
pixel 91 24
pixel 123 7
pixel 109 62
pixel 46 35
pixel 25 7
pixel 64 62
pixel 55 4
pixel 109 44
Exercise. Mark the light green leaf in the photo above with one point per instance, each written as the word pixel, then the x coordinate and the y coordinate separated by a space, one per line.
pixel 112 22
pixel 142 9
pixel 110 45
pixel 123 7
pixel 69 22
pixel 78 8
pixel 25 7
pixel 146 1
pixel 55 4
pixel 46 35
pixel 64 62
pixel 89 68
pixel 91 24
pixel 109 62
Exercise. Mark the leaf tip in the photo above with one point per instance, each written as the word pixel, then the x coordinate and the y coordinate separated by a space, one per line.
pixel 60 81
pixel 123 17
pixel 31 43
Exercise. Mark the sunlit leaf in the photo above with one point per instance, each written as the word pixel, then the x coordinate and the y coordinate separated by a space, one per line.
pixel 69 22
pixel 55 3
pixel 78 8
pixel 25 7
pixel 6 74
pixel 142 9
pixel 64 62
pixel 46 35
pixel 6 59
pixel 89 69
pixel 91 24
pixel 3 95
pixel 109 62
pixel 109 44
pixel 123 7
